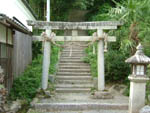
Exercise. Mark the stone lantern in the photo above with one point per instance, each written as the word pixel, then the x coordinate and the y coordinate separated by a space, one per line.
pixel 138 79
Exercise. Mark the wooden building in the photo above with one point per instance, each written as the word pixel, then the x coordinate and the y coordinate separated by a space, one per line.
pixel 15 39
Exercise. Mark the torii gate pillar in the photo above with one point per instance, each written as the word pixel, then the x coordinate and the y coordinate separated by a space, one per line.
pixel 47 51
pixel 100 65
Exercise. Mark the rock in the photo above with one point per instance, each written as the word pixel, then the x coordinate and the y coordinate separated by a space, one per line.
pixel 35 100
pixel 47 93
pixel 145 109
pixel 118 89
pixel 16 105
pixel 102 95
pixel 51 78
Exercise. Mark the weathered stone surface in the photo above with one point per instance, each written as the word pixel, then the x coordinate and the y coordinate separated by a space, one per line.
pixel 102 95
pixel 74 38
pixel 137 80
pixel 145 109
pixel 51 78
pixel 16 105
pixel 47 93
pixel 75 25
pixel 34 101
pixel 118 88
pixel 139 57
pixel 3 92
pixel 83 111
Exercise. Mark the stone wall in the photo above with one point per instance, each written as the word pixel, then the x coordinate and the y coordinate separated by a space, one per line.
pixel 3 92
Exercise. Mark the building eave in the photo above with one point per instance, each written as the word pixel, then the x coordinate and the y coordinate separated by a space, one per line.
pixel 5 20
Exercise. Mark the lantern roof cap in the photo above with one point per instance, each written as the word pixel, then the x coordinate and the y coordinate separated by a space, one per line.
pixel 139 57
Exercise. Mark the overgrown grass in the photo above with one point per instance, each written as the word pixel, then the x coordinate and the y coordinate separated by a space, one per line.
pixel 54 57
pixel 91 59
pixel 26 85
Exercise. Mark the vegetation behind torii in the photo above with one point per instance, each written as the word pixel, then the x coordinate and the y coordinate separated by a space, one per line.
pixel 136 28
pixel 134 13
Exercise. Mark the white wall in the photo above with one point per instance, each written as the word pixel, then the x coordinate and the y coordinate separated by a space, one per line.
pixel 18 9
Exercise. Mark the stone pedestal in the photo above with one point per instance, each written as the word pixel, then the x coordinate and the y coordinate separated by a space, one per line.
pixel 137 93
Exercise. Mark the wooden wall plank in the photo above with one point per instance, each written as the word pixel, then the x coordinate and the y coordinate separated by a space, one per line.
pixel 22 54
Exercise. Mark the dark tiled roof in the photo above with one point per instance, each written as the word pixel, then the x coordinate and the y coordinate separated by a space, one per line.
pixel 14 23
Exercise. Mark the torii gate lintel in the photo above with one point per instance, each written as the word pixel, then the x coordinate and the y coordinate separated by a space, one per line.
pixel 53 25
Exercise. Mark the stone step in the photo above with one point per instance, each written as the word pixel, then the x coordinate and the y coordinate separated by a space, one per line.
pixel 74 81
pixel 74 67
pixel 73 90
pixel 74 42
pixel 71 58
pixel 73 55
pixel 71 61
pixel 74 106
pixel 73 50
pixel 74 85
pixel 75 70
pixel 73 77
pixel 59 73
pixel 74 64
pixel 86 111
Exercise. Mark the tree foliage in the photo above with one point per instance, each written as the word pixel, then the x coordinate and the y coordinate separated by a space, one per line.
pixel 136 15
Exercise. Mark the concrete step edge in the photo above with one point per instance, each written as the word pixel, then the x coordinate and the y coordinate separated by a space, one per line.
pixel 73 77
pixel 77 75
pixel 80 106
pixel 73 50
pixel 70 57
pixel 86 70
pixel 74 72
pixel 74 63
pixel 74 67
pixel 73 90
pixel 74 81
pixel 74 85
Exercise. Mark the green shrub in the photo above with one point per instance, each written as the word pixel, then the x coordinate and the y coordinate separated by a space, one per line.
pixel 116 70
pixel 54 57
pixel 26 85
pixel 91 59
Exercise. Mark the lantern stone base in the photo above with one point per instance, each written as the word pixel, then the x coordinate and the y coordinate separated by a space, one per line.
pixel 137 93
pixel 102 95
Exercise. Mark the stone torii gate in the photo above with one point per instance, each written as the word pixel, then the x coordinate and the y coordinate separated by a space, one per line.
pixel 100 26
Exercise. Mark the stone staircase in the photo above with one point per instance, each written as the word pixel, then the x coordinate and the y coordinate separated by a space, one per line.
pixel 73 89
pixel 73 75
